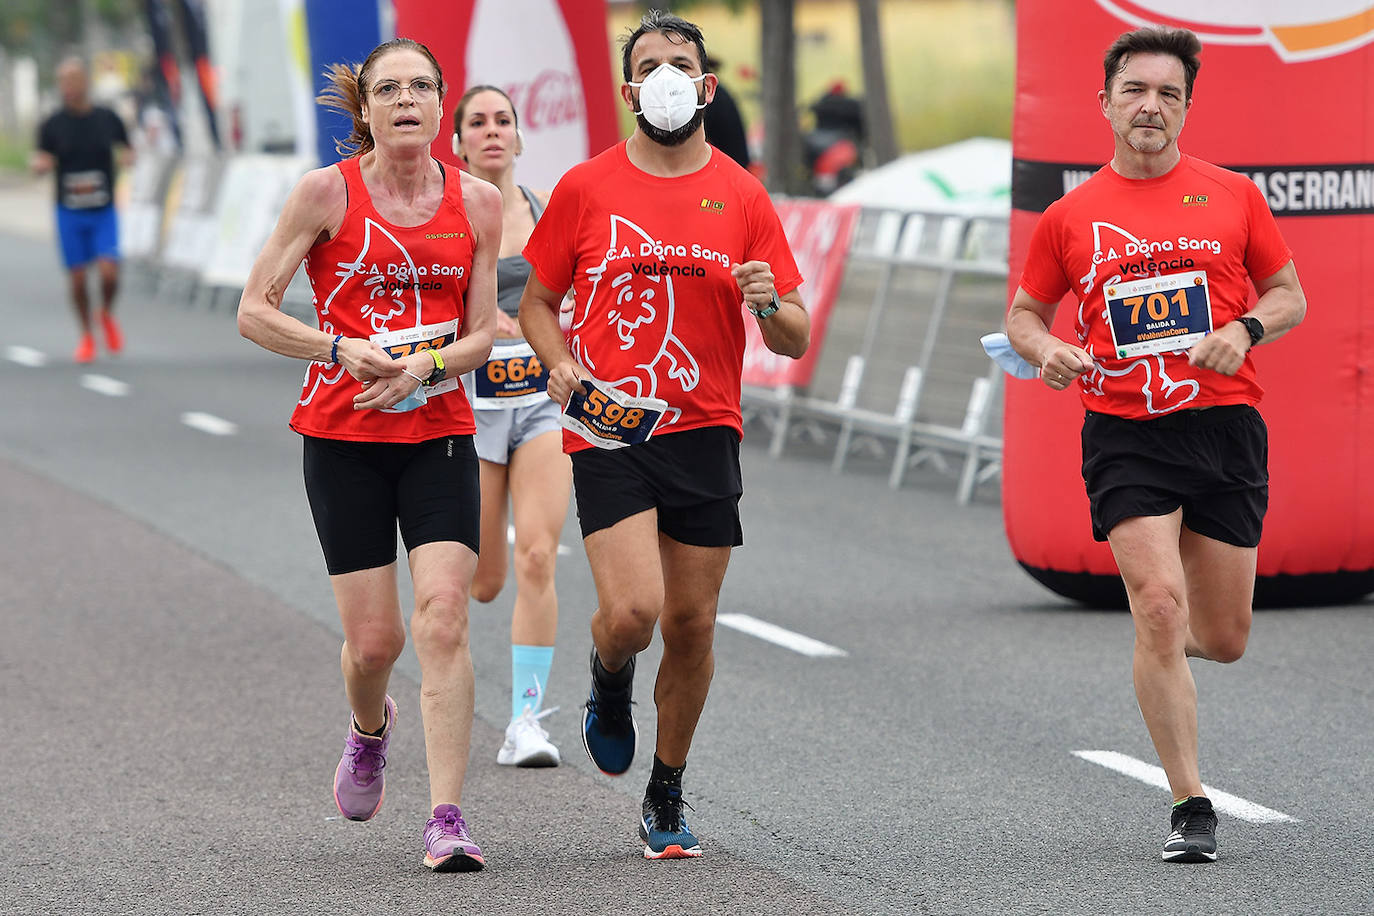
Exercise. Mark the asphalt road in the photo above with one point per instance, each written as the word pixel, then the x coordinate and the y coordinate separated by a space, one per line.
pixel 173 709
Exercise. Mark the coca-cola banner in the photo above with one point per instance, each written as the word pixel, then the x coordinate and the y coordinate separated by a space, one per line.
pixel 818 233
pixel 552 57
pixel 1284 97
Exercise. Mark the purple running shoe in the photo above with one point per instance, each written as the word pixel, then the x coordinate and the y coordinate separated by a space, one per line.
pixel 447 844
pixel 358 782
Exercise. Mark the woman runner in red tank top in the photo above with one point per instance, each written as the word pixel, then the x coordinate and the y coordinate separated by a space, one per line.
pixel 401 255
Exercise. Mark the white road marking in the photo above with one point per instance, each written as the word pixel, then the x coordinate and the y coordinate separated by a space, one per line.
pixel 103 384
pixel 26 356
pixel 563 550
pixel 1152 775
pixel 209 423
pixel 778 636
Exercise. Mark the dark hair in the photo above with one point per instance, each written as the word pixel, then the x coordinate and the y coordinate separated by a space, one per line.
pixel 1179 43
pixel 674 28
pixel 461 108
pixel 347 85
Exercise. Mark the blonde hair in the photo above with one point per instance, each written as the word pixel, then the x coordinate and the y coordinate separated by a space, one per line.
pixel 347 85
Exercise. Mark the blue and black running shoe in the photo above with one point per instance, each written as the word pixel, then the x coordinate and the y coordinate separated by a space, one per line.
pixel 609 732
pixel 664 829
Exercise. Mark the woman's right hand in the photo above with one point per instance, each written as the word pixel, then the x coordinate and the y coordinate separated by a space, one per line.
pixel 506 326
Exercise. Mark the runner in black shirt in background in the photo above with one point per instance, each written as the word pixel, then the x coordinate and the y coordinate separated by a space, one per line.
pixel 81 143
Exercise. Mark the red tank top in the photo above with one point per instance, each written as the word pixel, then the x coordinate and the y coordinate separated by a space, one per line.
pixel 403 288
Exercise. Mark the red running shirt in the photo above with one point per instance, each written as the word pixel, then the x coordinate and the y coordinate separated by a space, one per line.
pixel 658 312
pixel 1113 230
pixel 372 279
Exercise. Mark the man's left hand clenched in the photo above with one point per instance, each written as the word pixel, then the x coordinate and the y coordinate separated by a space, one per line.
pixel 755 279
pixel 1223 350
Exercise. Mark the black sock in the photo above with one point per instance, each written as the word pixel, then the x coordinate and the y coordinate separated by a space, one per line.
pixel 378 733
pixel 666 775
pixel 621 678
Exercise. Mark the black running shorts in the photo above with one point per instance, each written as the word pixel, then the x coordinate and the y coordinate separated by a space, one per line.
pixel 692 478
pixel 1212 462
pixel 358 492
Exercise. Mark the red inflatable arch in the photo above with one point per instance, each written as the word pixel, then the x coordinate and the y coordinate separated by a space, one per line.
pixel 1284 96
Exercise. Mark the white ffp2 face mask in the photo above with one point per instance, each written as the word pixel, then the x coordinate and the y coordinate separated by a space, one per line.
pixel 668 97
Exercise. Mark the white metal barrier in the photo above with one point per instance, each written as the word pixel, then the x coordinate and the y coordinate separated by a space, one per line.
pixel 885 399
pixel 196 225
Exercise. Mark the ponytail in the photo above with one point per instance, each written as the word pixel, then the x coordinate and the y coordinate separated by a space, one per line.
pixel 347 85
pixel 343 93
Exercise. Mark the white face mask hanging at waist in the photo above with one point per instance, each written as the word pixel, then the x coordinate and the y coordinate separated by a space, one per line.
pixel 668 97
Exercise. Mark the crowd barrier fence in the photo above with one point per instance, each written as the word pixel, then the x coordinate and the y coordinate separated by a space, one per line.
pixel 919 284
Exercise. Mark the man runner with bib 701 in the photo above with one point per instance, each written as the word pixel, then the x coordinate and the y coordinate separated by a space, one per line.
pixel 1161 250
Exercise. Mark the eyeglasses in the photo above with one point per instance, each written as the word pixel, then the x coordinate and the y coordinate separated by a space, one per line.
pixel 388 92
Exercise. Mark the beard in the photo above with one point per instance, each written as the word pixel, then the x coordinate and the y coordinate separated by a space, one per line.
pixel 671 137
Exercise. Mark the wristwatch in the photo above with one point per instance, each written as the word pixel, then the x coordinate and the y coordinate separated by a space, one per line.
pixel 768 309
pixel 1254 327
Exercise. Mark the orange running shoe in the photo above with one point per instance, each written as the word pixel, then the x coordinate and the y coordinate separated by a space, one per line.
pixel 114 337
pixel 85 351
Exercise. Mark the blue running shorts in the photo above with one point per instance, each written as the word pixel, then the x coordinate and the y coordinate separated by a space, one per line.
pixel 86 235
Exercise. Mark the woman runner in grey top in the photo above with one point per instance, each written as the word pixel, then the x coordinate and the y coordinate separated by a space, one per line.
pixel 519 441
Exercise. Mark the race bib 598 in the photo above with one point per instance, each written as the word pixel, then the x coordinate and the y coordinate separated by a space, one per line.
pixel 608 418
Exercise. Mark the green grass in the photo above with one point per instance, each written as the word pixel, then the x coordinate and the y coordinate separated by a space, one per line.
pixel 14 154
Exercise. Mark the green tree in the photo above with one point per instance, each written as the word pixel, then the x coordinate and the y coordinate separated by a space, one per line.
pixel 778 65
pixel 46 28
pixel 882 137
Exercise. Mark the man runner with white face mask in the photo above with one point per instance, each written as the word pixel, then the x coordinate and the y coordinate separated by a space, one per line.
pixel 664 241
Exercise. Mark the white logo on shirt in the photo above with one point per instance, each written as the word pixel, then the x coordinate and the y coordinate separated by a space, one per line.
pixel 641 308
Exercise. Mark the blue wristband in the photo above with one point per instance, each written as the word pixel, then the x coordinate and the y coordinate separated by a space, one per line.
pixel 334 350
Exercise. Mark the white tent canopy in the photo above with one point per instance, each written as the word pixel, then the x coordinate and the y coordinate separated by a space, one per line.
pixel 968 178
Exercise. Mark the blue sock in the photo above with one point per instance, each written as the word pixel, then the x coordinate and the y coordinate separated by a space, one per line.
pixel 529 672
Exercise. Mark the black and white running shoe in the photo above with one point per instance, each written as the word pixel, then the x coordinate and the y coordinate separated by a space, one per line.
pixel 1193 832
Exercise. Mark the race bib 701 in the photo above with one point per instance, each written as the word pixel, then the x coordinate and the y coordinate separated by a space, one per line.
pixel 608 418
pixel 1158 314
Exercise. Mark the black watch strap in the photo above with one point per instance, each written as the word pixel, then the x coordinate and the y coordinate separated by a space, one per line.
pixel 1254 327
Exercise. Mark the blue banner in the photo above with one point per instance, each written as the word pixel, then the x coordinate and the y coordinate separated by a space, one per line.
pixel 340 31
